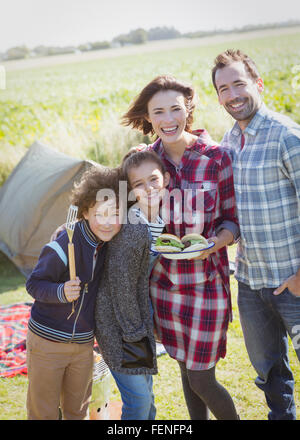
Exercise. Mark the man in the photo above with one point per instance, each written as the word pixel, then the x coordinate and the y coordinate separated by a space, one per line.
pixel 265 149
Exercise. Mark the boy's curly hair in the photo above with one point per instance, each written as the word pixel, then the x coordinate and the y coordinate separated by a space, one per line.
pixel 84 194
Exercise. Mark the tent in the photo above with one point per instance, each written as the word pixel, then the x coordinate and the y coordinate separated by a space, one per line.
pixel 34 201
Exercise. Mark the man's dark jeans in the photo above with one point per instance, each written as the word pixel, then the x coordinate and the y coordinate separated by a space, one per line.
pixel 267 320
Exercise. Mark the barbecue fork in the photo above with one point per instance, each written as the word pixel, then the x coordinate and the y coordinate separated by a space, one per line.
pixel 70 226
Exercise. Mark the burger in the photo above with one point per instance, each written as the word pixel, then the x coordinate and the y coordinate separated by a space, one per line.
pixel 189 242
pixel 168 243
pixel 194 242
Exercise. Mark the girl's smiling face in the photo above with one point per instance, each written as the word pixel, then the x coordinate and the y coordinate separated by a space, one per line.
pixel 168 114
pixel 148 183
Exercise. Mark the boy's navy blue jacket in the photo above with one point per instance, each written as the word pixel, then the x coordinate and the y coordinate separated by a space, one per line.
pixel 50 311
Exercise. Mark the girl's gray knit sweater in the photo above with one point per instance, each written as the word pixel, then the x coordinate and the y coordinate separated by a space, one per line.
pixel 123 304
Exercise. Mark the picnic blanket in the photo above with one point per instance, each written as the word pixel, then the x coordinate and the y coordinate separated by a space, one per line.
pixel 13 330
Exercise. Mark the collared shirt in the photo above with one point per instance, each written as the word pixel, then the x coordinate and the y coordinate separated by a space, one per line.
pixel 267 189
pixel 206 171
pixel 155 230
pixel 91 239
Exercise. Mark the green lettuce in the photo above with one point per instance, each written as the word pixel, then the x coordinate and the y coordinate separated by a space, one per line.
pixel 196 241
pixel 174 243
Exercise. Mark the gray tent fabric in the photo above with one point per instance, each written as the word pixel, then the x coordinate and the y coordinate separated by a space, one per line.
pixel 34 201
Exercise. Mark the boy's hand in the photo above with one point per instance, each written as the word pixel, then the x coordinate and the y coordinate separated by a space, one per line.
pixel 72 289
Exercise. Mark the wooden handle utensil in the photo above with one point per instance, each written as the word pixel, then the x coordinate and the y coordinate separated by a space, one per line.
pixel 70 226
pixel 72 267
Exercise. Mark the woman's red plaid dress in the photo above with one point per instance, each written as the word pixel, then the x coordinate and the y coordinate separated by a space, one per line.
pixel 191 298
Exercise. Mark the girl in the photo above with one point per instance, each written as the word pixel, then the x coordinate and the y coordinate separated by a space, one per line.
pixel 191 298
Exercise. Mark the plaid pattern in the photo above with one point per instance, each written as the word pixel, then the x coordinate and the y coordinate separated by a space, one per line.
pixel 13 330
pixel 207 168
pixel 267 188
pixel 192 326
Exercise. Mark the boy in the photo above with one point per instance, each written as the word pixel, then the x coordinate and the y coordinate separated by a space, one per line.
pixel 59 342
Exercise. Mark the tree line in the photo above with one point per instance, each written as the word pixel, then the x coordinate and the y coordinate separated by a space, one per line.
pixel 136 36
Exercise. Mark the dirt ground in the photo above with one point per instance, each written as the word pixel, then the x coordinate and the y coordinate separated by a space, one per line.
pixel 153 46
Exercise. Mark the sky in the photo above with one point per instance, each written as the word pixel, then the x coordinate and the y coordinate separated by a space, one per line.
pixel 72 22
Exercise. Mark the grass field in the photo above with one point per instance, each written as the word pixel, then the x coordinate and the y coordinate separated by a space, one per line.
pixel 75 107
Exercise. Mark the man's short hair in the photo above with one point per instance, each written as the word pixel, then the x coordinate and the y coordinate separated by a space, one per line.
pixel 230 56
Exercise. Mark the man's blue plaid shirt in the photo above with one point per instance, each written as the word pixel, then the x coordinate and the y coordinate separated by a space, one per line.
pixel 267 189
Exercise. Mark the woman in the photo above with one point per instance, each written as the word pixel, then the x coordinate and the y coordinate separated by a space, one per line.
pixel 191 298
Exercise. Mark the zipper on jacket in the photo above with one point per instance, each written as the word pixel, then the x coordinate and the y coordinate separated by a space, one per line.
pixel 85 290
pixel 94 263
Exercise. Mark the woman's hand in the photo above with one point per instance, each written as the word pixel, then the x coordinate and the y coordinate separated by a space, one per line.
pixel 140 147
pixel 224 238
pixel 72 289
pixel 207 252
pixel 57 232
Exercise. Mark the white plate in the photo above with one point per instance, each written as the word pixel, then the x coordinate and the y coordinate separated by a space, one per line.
pixel 184 255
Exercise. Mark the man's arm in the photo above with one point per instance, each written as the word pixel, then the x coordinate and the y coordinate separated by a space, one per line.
pixel 291 161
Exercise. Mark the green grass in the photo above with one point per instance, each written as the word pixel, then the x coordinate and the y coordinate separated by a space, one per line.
pixel 234 372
